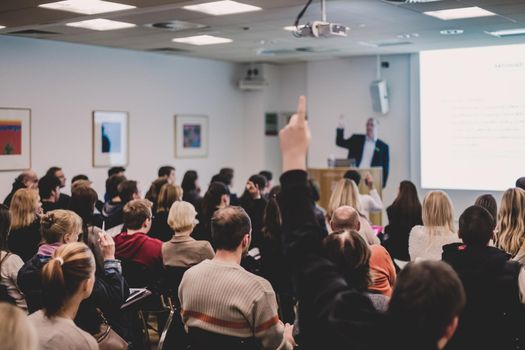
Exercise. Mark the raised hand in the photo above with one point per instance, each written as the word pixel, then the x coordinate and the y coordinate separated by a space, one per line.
pixel 107 245
pixel 295 139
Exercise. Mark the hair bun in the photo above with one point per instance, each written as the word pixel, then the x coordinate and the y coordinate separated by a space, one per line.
pixel 48 220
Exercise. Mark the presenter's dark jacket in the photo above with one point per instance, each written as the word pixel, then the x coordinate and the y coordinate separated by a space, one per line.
pixel 355 145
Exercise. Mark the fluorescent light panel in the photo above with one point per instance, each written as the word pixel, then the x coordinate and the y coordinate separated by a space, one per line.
pixel 86 7
pixel 202 40
pixel 460 13
pixel 219 8
pixel 507 32
pixel 101 24
pixel 2 27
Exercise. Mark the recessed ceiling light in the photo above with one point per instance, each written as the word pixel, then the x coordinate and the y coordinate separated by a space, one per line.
pixel 219 8
pixel 292 28
pixel 507 32
pixel 451 31
pixel 461 13
pixel 86 7
pixel 408 36
pixel 101 24
pixel 2 27
pixel 202 40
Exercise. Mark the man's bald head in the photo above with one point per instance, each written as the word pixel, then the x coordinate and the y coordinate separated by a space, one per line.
pixel 345 218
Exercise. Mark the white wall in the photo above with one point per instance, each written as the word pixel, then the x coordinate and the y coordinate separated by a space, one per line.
pixel 63 83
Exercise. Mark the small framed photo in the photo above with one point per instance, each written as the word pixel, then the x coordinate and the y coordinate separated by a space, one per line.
pixel 110 139
pixel 15 138
pixel 191 136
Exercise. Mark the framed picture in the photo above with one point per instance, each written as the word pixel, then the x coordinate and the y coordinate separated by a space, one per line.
pixel 15 139
pixel 110 139
pixel 191 136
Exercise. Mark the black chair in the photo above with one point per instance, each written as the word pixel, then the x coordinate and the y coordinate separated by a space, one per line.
pixel 204 340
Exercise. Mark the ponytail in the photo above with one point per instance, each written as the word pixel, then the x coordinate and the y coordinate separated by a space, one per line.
pixel 70 265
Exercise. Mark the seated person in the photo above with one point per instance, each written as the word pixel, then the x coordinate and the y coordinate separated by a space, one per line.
pixel 112 209
pixel 494 315
pixel 370 202
pixel 16 331
pixel 63 200
pixel 182 250
pixel 135 244
pixel 167 196
pixel 218 296
pixel 347 218
pixel 49 190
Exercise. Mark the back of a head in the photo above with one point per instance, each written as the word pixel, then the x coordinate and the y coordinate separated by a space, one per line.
pixel 5 226
pixel 70 266
pixel 267 175
pixel 427 297
pixel 476 226
pixel 182 217
pixel 153 192
pixel 407 200
pixel 47 184
pixel 488 202
pixel 165 171
pixel 188 181
pixel 167 196
pixel 136 212
pixel 228 227
pixel 55 224
pixel 23 206
pixel 344 193
pixel 52 170
pixel 80 183
pixel 272 215
pixel 112 184
pixel 78 178
pixel 437 210
pixel 227 174
pixel 16 332
pixel 127 189
pixel 116 170
pixel 520 183
pixel 345 218
pixel 258 180
pixel 26 177
pixel 83 200
pixel 351 254
pixel 212 198
pixel 511 221
pixel 353 175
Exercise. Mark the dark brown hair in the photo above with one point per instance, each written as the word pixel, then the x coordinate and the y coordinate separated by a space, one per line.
pixel 228 227
pixel 488 202
pixel 136 212
pixel 407 202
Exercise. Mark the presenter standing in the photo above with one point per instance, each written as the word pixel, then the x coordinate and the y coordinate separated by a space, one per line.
pixel 367 150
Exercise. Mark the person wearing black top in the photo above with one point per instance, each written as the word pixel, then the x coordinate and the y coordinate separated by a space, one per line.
pixel 63 200
pixel 27 179
pixel 217 196
pixel 191 189
pixel 254 204
pixel 25 210
pixel 160 229
pixel 49 190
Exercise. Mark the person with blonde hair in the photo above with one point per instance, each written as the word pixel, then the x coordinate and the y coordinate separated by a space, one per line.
pixel 67 279
pixel 427 241
pixel 346 193
pixel 25 210
pixel 16 332
pixel 510 226
pixel 182 250
pixel 159 226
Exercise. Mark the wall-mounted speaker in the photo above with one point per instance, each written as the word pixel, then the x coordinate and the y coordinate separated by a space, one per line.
pixel 379 94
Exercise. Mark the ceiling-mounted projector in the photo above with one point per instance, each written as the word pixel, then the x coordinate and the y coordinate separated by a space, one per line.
pixel 318 29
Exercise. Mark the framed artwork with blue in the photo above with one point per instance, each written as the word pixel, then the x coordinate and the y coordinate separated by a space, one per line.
pixel 191 136
pixel 110 138
pixel 15 139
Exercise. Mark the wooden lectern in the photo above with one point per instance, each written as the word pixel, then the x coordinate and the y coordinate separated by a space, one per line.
pixel 328 177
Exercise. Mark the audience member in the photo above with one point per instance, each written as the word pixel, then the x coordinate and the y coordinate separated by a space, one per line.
pixel 269 184
pixel 63 201
pixel 49 190
pixel 25 236
pixel 67 279
pixel 494 315
pixel 370 202
pixel 113 192
pixel 227 174
pixel 116 170
pixel 243 304
pixel 182 250
pixel 403 215
pixel 10 263
pixel 346 217
pixel 126 190
pixel 273 264
pixel 510 227
pixel 27 179
pixel 253 203
pixel 160 228
pixel 320 213
pixel 167 172
pixel 191 189
pixel 153 193
pixel 16 332
pixel 217 196
pixel 488 202
pixel 83 201
pixel 78 178
pixel 351 254
pixel 134 244
pixel 520 183
pixel 427 241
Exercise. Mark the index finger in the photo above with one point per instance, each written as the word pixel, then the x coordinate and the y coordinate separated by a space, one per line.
pixel 301 109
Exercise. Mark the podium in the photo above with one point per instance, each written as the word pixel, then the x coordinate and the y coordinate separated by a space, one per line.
pixel 328 177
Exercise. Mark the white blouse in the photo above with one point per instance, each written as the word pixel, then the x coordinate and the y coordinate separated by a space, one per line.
pixel 425 246
pixel 370 202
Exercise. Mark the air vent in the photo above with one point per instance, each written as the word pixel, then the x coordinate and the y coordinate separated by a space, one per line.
pixel 176 26
pixel 385 43
pixel 281 52
pixel 33 32
pixel 168 50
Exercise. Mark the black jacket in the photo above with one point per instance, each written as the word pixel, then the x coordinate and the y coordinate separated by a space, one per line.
pixel 355 145
pixel 110 292
pixel 493 317
pixel 160 228
pixel 398 230
pixel 24 241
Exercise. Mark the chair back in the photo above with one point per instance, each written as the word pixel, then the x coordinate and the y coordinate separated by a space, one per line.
pixel 204 340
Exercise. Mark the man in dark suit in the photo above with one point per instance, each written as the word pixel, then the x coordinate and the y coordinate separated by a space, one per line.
pixel 367 150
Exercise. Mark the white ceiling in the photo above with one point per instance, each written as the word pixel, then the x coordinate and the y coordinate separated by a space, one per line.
pixel 258 36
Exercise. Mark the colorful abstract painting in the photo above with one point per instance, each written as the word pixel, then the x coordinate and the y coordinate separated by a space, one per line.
pixel 192 135
pixel 10 137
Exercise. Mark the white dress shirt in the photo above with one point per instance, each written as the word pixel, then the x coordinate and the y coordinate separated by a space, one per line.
pixel 368 153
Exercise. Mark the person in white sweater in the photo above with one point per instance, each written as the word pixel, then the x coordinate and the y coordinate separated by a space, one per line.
pixel 370 202
pixel 426 242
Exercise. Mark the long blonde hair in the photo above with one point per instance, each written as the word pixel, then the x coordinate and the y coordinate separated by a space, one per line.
pixel 511 221
pixel 437 211
pixel 23 207
pixel 344 193
pixel 16 332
